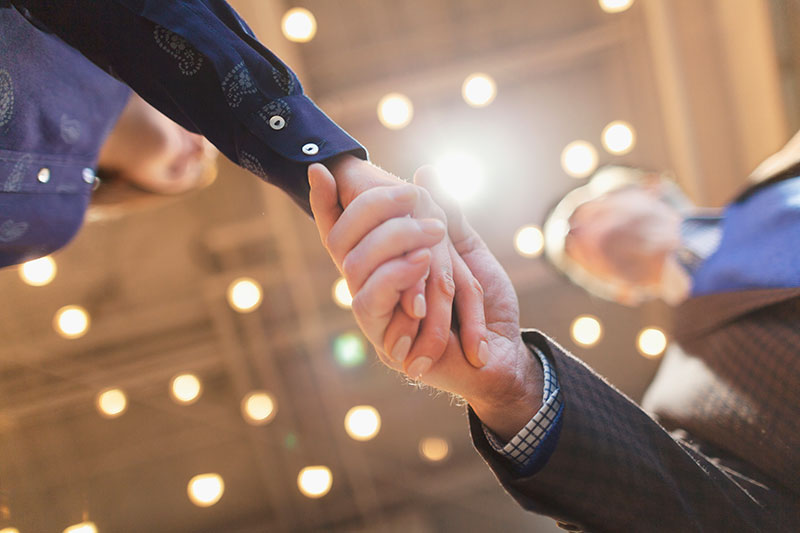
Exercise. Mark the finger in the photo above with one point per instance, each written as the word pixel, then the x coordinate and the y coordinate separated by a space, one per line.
pixel 469 309
pixel 392 238
pixel 367 211
pixel 413 302
pixel 374 304
pixel 435 329
pixel 399 336
pixel 324 199
pixel 465 239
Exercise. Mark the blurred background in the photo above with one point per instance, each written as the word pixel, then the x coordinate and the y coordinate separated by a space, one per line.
pixel 207 338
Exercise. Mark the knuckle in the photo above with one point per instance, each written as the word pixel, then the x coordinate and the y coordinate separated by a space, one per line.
pixel 360 306
pixel 446 284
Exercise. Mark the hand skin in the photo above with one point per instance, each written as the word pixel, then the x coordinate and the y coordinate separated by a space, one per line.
pixel 417 345
pixel 506 392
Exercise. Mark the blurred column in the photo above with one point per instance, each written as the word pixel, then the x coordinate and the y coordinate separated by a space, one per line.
pixel 719 88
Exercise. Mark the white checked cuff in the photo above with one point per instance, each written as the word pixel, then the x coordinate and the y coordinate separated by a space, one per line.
pixel 521 448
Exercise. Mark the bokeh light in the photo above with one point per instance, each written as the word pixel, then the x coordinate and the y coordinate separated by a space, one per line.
pixel 341 294
pixel 579 159
pixel 244 294
pixel 618 137
pixel 258 407
pixel 586 330
pixel 38 273
pixel 185 388
pixel 205 490
pixel 71 321
pixel 434 449
pixel 111 403
pixel 83 527
pixel 315 481
pixel 461 175
pixel 349 349
pixel 479 90
pixel 299 25
pixel 9 530
pixel 362 422
pixel 529 241
pixel 395 111
pixel 615 6
pixel 651 342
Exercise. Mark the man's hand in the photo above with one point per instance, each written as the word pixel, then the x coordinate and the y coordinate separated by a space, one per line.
pixel 416 347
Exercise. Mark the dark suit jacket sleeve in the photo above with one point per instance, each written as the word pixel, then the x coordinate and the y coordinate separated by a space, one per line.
pixel 201 65
pixel 615 469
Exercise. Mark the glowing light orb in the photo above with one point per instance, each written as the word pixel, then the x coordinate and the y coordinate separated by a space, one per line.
pixel 529 241
pixel 71 321
pixel 38 273
pixel 205 490
pixel 618 138
pixel 479 90
pixel 258 408
pixel 651 342
pixel 579 159
pixel 299 25
pixel 395 111
pixel 362 422
pixel 83 527
pixel 586 330
pixel 111 403
pixel 349 349
pixel 341 294
pixel 615 6
pixel 434 449
pixel 244 295
pixel 315 481
pixel 185 388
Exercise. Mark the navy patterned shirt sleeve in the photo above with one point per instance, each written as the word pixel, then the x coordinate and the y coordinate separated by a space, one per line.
pixel 530 448
pixel 200 64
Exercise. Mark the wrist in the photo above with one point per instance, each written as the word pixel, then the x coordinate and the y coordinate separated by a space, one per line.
pixel 508 408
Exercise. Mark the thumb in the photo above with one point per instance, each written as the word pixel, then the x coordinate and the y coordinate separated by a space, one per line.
pixel 464 238
pixel 323 198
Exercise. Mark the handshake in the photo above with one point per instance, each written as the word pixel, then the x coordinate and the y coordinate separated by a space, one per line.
pixel 427 292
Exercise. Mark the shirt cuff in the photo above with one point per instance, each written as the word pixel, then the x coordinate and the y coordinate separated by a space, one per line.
pixel 523 450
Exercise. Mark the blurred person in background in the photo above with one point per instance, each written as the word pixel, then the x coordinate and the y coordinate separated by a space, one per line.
pixel 62 119
pixel 715 447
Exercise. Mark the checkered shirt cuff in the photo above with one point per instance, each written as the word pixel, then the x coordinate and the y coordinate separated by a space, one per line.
pixel 521 449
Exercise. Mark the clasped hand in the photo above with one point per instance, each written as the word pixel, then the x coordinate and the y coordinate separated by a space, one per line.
pixel 397 244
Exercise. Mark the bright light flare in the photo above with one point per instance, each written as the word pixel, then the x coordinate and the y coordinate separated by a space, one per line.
pixel 83 527
pixel 479 90
pixel 461 175
pixel 185 388
pixel 71 321
pixel 205 490
pixel 258 408
pixel 579 159
pixel 395 111
pixel 651 342
pixel 299 25
pixel 111 403
pixel 615 6
pixel 529 241
pixel 434 449
pixel 315 481
pixel 586 330
pixel 349 349
pixel 618 137
pixel 341 294
pixel 244 295
pixel 9 530
pixel 362 422
pixel 38 273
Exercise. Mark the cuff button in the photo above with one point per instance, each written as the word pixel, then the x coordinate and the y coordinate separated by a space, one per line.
pixel 310 149
pixel 277 122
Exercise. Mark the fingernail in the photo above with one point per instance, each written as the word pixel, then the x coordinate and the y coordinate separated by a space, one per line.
pixel 419 367
pixel 419 306
pixel 400 349
pixel 483 352
pixel 432 226
pixel 405 193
